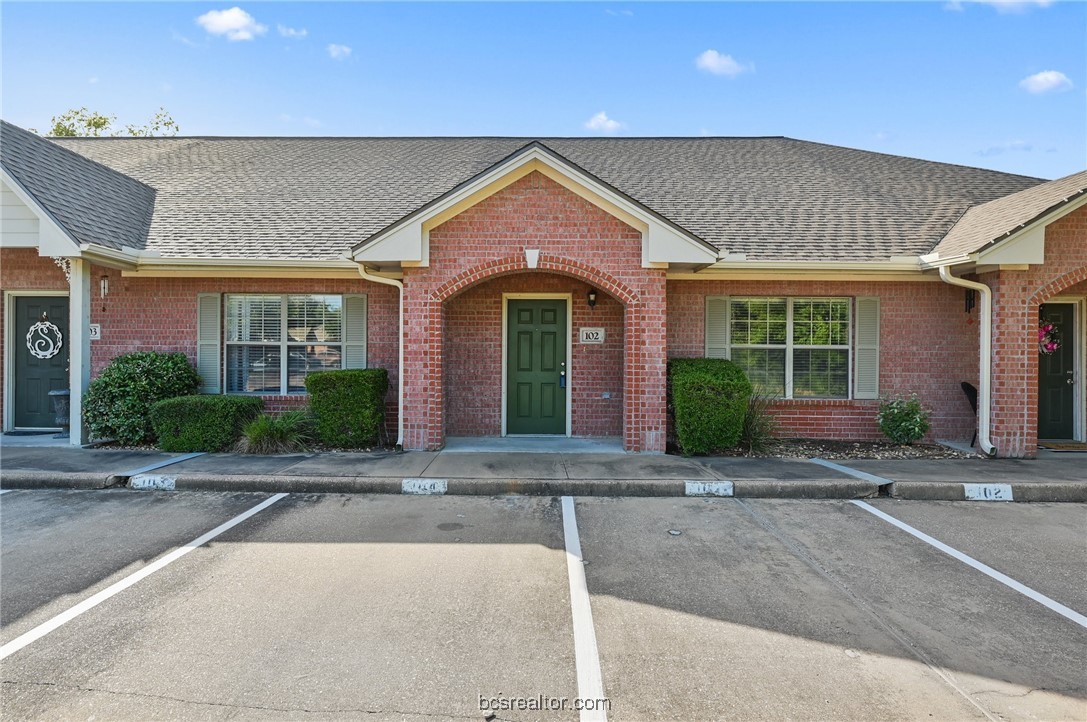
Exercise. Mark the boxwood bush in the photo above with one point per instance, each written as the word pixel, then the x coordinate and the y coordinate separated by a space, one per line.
pixel 903 419
pixel 117 404
pixel 709 399
pixel 205 422
pixel 348 406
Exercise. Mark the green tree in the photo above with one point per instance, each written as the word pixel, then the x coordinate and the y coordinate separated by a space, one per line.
pixel 80 122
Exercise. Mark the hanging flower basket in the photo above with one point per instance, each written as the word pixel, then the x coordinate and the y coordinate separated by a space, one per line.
pixel 1049 338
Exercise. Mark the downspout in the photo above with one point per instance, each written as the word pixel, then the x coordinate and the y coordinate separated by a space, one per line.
pixel 400 359
pixel 986 354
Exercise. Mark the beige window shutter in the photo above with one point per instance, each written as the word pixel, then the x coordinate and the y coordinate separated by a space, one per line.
pixel 716 328
pixel 866 351
pixel 209 344
pixel 354 332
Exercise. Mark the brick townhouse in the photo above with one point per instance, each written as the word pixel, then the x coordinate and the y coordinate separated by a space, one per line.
pixel 519 286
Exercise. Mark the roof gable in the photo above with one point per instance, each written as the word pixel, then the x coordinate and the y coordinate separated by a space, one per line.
pixel 407 240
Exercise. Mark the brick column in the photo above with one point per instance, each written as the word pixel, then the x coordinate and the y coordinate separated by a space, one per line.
pixel 645 415
pixel 1014 423
pixel 422 373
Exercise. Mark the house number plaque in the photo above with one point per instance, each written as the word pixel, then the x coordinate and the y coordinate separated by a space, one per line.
pixel 591 335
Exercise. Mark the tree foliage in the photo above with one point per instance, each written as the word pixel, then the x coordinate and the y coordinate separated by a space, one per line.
pixel 83 123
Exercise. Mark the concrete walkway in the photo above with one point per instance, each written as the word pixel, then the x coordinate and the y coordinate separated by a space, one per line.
pixel 599 472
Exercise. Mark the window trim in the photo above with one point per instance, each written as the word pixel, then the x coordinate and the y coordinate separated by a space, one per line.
pixel 789 346
pixel 283 344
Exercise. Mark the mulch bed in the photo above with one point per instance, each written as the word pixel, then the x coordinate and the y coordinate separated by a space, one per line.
pixel 823 449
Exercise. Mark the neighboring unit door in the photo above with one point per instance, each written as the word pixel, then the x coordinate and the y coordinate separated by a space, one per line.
pixel 536 367
pixel 41 361
pixel 1056 380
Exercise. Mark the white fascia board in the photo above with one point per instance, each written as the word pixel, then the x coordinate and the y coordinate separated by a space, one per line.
pixel 895 265
pixel 53 239
pixel 661 243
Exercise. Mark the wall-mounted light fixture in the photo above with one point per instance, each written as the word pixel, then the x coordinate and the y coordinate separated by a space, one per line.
pixel 592 297
pixel 971 299
pixel 103 286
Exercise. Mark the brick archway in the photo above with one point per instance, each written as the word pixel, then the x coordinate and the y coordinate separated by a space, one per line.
pixel 547 263
pixel 1057 285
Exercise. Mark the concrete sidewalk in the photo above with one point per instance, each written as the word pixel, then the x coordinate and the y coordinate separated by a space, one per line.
pixel 1055 478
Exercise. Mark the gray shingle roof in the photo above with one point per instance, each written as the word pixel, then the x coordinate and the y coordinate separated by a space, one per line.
pixel 95 204
pixel 990 222
pixel 770 198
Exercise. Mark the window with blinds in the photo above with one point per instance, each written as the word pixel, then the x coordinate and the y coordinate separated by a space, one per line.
pixel 789 347
pixel 274 341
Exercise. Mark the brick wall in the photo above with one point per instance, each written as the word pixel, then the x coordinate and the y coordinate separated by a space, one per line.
pixel 159 314
pixel 928 345
pixel 576 240
pixel 473 354
pixel 1016 298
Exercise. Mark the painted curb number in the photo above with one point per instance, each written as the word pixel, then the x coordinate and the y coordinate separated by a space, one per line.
pixel 151 481
pixel 708 488
pixel 423 486
pixel 988 492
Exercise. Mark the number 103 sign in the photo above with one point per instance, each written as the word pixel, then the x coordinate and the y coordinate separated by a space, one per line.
pixel 591 335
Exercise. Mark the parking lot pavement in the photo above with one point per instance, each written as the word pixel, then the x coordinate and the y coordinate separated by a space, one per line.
pixel 325 606
pixel 768 609
pixel 58 547
pixel 387 607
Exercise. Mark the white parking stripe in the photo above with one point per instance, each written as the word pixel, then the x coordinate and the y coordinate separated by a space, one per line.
pixel 985 569
pixel 590 683
pixel 91 602
pixel 4 491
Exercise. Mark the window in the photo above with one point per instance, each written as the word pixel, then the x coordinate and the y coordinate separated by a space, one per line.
pixel 789 347
pixel 273 342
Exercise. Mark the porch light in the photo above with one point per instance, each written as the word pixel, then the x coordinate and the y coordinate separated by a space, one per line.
pixel 592 297
pixel 103 286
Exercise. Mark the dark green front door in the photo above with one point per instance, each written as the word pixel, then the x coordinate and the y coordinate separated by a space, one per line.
pixel 1056 387
pixel 536 367
pixel 41 361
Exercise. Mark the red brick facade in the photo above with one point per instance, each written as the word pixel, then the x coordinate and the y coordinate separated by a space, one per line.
pixel 1016 298
pixel 453 314
pixel 576 240
pixel 928 345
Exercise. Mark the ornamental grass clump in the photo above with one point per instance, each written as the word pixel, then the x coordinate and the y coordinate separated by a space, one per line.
pixel 284 433
pixel 903 419
pixel 709 400
pixel 760 424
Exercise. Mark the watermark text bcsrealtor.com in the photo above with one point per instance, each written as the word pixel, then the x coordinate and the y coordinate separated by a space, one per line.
pixel 541 703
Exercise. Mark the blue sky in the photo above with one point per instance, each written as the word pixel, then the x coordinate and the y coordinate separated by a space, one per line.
pixel 991 84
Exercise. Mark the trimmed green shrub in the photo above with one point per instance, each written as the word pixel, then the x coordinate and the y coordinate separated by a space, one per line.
pixel 760 424
pixel 709 402
pixel 903 419
pixel 117 404
pixel 206 422
pixel 348 406
pixel 269 434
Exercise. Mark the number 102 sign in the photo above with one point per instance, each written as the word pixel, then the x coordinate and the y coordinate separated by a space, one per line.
pixel 591 335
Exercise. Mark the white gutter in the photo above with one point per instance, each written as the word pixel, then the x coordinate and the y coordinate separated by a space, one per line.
pixel 400 361
pixel 986 354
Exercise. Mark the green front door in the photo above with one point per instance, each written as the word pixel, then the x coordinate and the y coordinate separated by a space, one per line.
pixel 1056 389
pixel 536 367
pixel 41 358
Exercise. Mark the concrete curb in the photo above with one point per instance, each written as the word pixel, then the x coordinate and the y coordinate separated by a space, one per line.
pixel 20 479
pixel 1037 491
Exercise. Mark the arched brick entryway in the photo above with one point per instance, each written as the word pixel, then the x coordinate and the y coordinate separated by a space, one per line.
pixel 644 346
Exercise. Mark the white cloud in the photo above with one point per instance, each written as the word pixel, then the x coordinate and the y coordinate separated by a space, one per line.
pixel 292 32
pixel 602 123
pixel 1011 146
pixel 235 24
pixel 182 39
pixel 338 52
pixel 1045 82
pixel 714 62
pixel 1001 6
